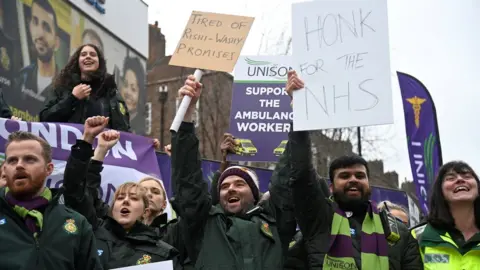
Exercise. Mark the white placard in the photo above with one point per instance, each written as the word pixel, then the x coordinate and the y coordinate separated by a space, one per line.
pixel 341 51
pixel 167 265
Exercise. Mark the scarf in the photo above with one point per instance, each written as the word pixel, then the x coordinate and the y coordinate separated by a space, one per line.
pixel 374 246
pixel 31 210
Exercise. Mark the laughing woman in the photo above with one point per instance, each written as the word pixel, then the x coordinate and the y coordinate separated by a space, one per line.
pixel 84 89
pixel 451 237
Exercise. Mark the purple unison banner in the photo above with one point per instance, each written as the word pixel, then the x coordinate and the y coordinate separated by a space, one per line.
pixel 422 135
pixel 209 167
pixel 260 114
pixel 131 159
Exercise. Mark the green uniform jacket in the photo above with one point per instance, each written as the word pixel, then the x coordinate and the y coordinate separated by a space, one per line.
pixel 66 242
pixel 215 240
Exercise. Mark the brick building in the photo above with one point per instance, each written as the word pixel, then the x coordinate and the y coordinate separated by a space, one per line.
pixel 163 81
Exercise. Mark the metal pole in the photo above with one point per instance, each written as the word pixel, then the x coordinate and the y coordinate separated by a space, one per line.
pixel 162 116
pixel 359 141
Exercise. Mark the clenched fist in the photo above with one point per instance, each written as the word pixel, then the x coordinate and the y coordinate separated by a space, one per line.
pixel 93 126
pixel 193 89
pixel 108 139
pixel 228 144
pixel 293 82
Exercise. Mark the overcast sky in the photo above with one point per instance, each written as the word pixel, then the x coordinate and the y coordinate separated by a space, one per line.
pixel 433 40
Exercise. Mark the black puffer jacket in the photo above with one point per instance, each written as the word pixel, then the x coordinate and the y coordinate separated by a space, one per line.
pixel 117 248
pixel 63 107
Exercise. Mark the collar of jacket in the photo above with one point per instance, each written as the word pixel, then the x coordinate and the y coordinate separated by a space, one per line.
pixel 139 231
pixel 254 211
pixel 369 206
pixel 160 220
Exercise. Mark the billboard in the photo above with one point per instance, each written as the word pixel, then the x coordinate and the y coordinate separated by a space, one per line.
pixel 126 19
pixel 36 39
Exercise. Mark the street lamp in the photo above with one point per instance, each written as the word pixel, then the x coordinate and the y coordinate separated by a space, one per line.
pixel 163 96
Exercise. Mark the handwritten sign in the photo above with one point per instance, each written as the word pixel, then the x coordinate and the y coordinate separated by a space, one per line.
pixel 212 41
pixel 167 265
pixel 341 51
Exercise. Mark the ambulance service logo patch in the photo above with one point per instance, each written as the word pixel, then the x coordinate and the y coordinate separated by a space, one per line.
pixel 266 229
pixel 70 226
pixel 145 259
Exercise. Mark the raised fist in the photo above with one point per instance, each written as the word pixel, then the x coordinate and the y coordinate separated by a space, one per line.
pixel 93 126
pixel 108 139
pixel 192 88
pixel 293 82
pixel 228 144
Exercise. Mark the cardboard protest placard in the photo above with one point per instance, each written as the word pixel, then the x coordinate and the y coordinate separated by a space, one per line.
pixel 341 51
pixel 212 41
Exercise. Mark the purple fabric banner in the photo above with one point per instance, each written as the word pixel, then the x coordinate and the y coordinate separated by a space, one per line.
pixel 260 120
pixel 209 167
pixel 131 151
pixel 422 135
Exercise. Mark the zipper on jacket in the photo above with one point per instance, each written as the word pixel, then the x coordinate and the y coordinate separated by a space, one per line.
pixel 35 237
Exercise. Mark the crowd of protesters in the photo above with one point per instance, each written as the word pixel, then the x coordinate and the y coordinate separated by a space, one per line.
pixel 302 222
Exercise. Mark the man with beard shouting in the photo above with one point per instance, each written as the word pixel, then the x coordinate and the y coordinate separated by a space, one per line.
pixel 237 233
pixel 345 231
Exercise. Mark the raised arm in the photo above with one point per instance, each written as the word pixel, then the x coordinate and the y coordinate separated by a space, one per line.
pixel 280 203
pixel 311 206
pixel 106 141
pixel 226 147
pixel 77 193
pixel 191 196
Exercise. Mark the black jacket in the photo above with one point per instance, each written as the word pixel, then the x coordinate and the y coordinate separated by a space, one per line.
pixel 315 213
pixel 63 107
pixel 297 255
pixel 214 239
pixel 57 246
pixel 166 230
pixel 119 249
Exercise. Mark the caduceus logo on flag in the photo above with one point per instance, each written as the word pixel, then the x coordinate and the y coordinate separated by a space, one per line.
pixel 422 135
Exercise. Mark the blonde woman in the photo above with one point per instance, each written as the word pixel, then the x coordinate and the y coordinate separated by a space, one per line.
pixel 122 238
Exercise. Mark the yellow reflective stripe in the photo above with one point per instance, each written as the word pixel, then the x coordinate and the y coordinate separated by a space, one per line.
pixel 447 239
pixel 414 234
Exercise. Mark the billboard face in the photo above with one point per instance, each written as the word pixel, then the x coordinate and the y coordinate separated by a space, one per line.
pixel 37 38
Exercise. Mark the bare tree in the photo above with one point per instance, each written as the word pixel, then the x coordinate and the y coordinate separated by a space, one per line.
pixel 214 112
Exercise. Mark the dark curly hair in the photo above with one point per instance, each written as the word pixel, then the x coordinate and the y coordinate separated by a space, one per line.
pixel 440 215
pixel 66 77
